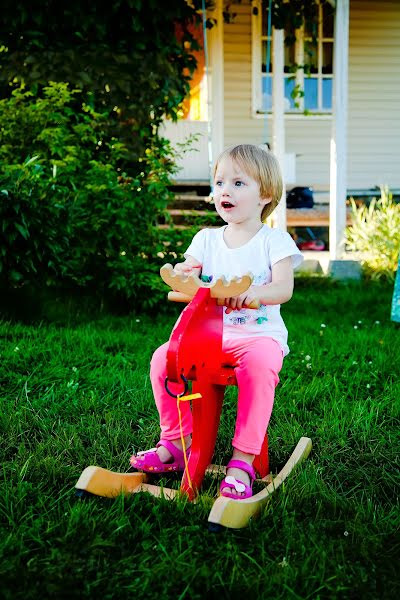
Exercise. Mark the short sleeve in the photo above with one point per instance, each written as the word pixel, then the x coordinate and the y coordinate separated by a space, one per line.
pixel 282 245
pixel 197 246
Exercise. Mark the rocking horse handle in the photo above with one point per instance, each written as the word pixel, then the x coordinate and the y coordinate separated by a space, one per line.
pixel 186 286
pixel 179 297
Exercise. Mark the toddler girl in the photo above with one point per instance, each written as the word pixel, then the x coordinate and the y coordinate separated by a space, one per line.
pixel 247 188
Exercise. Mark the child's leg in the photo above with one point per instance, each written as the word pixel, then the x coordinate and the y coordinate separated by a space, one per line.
pixel 258 361
pixel 170 450
pixel 166 404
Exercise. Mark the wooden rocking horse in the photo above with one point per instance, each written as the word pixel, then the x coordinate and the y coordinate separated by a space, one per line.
pixel 195 355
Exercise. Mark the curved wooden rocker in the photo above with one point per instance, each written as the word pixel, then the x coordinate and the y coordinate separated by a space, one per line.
pixel 110 484
pixel 236 514
pixel 195 355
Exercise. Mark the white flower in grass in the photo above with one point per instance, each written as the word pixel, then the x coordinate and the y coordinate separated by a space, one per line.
pixel 74 369
pixel 322 325
pixel 137 320
pixel 284 563
pixel 355 326
pixel 308 357
pixel 309 366
pixel 72 384
pixel 346 533
pixel 355 362
pixel 377 322
pixel 368 386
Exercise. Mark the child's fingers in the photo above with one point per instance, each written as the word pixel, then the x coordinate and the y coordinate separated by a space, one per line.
pixel 186 270
pixel 238 303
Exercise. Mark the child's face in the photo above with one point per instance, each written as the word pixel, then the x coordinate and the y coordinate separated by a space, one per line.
pixel 236 194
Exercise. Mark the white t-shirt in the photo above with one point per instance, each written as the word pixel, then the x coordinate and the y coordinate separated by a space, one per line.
pixel 257 257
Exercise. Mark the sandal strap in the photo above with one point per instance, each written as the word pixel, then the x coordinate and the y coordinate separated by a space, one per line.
pixel 176 453
pixel 243 466
pixel 232 482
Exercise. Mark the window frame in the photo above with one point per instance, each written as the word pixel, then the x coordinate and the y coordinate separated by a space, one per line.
pixel 300 76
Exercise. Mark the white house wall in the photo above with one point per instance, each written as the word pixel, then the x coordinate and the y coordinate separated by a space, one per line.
pixel 240 127
pixel 374 93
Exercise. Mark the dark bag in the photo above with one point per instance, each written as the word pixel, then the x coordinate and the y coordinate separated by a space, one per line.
pixel 300 197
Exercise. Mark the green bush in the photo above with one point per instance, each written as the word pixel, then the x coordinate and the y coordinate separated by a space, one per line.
pixel 69 216
pixel 374 234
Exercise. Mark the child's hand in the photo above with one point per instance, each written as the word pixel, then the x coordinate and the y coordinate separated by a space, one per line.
pixel 244 300
pixel 187 269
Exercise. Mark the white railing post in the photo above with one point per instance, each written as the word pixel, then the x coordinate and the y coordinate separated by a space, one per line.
pixel 338 150
pixel 278 119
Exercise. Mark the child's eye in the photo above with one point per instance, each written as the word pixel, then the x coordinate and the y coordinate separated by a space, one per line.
pixel 239 183
pixel 218 183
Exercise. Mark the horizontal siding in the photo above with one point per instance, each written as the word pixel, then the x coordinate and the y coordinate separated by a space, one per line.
pixel 374 99
pixel 374 92
pixel 309 139
pixel 240 126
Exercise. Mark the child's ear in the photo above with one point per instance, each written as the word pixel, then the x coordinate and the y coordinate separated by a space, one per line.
pixel 265 201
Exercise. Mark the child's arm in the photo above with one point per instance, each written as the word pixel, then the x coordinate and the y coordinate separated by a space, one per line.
pixel 280 289
pixel 191 265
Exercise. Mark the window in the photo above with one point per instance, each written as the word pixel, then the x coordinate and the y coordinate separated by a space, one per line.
pixel 308 70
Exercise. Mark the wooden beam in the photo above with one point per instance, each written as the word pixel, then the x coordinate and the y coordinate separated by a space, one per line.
pixel 278 119
pixel 216 93
pixel 338 150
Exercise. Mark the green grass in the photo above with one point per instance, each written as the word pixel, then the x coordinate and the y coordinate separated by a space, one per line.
pixel 77 393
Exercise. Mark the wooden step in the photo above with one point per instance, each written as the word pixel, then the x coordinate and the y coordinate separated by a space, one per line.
pixel 318 216
pixel 187 208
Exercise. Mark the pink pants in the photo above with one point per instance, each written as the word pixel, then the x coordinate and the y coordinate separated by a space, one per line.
pixel 257 362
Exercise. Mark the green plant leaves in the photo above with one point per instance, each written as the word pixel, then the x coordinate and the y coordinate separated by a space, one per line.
pixel 70 215
pixel 374 234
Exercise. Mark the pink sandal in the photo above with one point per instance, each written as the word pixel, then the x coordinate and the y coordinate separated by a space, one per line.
pixel 149 461
pixel 239 486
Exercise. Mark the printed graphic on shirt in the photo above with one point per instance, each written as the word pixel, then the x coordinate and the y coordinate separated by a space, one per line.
pixel 245 315
pixel 206 278
pixel 260 279
pixel 248 315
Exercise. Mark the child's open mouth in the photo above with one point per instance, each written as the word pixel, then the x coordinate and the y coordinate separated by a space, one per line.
pixel 225 204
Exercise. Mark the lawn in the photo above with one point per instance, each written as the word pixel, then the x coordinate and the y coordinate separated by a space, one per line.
pixel 75 392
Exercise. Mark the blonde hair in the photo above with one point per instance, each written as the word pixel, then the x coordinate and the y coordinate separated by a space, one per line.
pixel 262 165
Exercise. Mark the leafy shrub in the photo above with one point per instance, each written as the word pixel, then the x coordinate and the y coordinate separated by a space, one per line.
pixel 127 56
pixel 69 216
pixel 374 234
